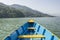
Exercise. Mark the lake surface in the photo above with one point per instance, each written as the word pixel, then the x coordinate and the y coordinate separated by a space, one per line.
pixel 8 25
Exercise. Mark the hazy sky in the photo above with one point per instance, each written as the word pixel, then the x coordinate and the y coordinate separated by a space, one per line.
pixel 51 7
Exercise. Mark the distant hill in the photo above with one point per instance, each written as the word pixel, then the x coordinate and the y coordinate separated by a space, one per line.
pixel 16 11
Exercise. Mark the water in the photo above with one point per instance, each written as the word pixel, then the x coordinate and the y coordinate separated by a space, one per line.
pixel 8 25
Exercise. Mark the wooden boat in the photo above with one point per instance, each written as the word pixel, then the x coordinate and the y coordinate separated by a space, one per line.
pixel 31 31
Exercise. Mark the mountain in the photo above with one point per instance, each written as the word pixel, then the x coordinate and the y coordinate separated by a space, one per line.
pixel 15 11
pixel 29 12
pixel 9 12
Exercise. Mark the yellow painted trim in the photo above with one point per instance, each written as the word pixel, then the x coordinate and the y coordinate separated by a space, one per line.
pixel 31 36
pixel 31 28
pixel 31 20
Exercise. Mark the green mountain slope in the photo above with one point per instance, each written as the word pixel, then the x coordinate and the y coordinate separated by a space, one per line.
pixel 30 12
pixel 15 11
pixel 9 12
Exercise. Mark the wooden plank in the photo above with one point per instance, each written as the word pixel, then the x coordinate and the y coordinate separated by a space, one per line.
pixel 31 36
pixel 31 28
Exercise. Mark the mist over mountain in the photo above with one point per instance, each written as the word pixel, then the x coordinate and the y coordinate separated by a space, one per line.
pixel 17 11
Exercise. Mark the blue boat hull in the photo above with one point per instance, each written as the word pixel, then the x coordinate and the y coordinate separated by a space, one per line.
pixel 38 30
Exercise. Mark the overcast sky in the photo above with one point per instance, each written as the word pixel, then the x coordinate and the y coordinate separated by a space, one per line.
pixel 51 7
